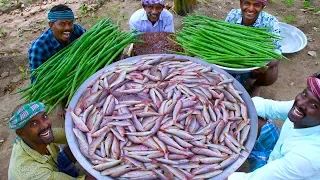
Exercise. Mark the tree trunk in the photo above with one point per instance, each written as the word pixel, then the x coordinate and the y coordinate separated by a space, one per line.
pixel 192 3
pixel 181 7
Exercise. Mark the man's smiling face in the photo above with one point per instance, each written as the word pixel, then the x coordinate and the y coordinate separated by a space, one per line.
pixel 37 130
pixel 62 30
pixel 153 11
pixel 306 110
pixel 251 9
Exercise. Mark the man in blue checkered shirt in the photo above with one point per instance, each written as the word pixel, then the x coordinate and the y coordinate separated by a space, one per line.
pixel 251 14
pixel 62 32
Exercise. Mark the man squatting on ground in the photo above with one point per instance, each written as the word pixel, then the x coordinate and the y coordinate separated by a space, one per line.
pixel 34 154
pixel 295 154
pixel 153 17
pixel 251 14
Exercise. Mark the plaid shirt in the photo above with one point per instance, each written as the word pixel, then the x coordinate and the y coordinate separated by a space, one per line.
pixel 47 45
pixel 264 20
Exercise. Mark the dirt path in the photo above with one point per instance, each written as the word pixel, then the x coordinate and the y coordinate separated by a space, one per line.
pixel 21 26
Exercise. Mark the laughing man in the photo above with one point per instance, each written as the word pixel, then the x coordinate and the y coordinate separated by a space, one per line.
pixel 34 154
pixel 295 154
pixel 251 14
pixel 62 32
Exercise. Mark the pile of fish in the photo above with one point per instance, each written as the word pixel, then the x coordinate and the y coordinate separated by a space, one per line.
pixel 161 117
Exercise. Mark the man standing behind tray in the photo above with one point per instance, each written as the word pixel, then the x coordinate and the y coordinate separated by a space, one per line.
pixel 153 17
pixel 251 14
pixel 34 154
pixel 296 153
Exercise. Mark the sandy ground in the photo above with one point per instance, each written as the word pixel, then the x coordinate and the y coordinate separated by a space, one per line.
pixel 19 27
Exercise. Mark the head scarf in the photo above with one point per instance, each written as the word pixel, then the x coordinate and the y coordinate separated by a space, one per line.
pixel 150 2
pixel 264 2
pixel 60 15
pixel 314 86
pixel 23 115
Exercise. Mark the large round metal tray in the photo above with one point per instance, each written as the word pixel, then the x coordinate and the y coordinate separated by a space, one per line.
pixel 237 70
pixel 73 143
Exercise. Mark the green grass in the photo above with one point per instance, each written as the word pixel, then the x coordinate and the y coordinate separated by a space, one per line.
pixel 306 4
pixel 1 32
pixel 124 17
pixel 84 9
pixel 4 1
pixel 289 19
pixel 289 2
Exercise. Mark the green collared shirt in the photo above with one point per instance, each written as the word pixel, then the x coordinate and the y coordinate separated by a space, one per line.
pixel 26 163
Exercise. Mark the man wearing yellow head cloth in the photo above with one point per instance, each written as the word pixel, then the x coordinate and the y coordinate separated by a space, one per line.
pixel 296 153
pixel 35 155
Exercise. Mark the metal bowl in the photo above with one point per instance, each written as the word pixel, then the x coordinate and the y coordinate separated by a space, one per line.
pixel 237 70
pixel 86 164
pixel 293 40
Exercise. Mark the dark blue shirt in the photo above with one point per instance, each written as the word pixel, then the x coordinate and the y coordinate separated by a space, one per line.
pixel 47 45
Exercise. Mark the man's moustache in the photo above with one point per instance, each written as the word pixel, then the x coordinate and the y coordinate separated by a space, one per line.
pixel 153 15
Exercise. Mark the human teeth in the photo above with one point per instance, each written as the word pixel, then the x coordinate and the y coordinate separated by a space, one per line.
pixel 297 112
pixel 45 134
pixel 66 34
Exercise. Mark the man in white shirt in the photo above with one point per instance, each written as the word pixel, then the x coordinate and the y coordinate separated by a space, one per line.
pixel 153 17
pixel 296 155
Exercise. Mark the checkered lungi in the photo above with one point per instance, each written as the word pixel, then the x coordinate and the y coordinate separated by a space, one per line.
pixel 65 165
pixel 268 138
